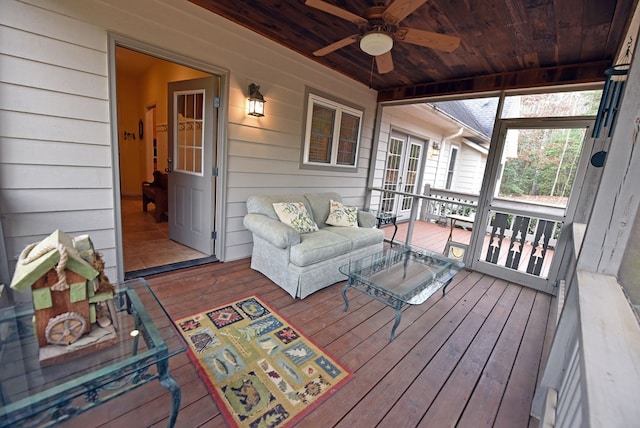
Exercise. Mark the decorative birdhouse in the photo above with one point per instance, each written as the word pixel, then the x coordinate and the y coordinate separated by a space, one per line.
pixel 70 295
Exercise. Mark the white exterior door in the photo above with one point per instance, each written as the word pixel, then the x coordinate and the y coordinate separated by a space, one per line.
pixel 192 130
pixel 402 173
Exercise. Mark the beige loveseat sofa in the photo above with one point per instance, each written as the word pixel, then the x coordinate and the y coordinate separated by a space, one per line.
pixel 302 263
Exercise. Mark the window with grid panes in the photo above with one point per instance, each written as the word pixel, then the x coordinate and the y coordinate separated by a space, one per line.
pixel 332 134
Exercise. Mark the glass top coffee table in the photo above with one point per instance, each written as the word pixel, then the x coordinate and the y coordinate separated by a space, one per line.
pixel 32 394
pixel 399 276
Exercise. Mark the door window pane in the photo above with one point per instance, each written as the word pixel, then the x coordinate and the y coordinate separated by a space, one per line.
pixel 189 106
pixel 540 165
pixel 392 173
pixel 555 104
pixel 413 165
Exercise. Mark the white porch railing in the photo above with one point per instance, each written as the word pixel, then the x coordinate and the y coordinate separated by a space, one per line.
pixel 441 203
pixel 436 205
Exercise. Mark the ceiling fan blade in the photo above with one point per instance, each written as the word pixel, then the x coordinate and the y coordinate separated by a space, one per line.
pixel 428 39
pixel 336 11
pixel 336 45
pixel 384 63
pixel 400 9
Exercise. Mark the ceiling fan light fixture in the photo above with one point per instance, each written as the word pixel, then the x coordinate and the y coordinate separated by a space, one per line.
pixel 376 43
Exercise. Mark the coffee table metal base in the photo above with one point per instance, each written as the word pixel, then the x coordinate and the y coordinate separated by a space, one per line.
pixel 381 296
pixel 103 389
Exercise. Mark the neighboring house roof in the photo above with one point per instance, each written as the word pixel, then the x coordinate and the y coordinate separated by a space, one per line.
pixel 478 114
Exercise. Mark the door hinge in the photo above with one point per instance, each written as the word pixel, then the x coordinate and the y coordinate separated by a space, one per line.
pixel 214 171
pixel 214 235
pixel 216 102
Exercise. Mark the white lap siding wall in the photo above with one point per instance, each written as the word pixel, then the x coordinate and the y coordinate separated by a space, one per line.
pixel 56 144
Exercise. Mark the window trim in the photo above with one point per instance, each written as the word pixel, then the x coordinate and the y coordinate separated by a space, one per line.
pixel 340 106
pixel 451 169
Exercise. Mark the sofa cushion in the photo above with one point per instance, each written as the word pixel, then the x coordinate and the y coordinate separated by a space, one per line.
pixel 295 215
pixel 317 247
pixel 360 237
pixel 366 219
pixel 319 203
pixel 342 215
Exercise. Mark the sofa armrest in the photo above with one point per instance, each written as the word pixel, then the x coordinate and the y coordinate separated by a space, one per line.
pixel 366 219
pixel 273 231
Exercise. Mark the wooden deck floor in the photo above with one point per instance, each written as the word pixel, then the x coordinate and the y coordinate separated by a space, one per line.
pixel 470 359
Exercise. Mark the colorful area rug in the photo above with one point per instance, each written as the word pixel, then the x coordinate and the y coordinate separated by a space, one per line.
pixel 262 371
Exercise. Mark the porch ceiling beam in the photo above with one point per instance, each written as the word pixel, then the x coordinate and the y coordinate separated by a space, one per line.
pixel 550 76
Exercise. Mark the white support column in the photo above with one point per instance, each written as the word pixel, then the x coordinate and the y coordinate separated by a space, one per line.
pixel 616 204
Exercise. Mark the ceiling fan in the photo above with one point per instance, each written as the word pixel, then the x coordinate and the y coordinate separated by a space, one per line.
pixel 380 27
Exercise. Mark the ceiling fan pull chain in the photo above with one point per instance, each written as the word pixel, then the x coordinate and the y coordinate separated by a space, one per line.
pixel 373 59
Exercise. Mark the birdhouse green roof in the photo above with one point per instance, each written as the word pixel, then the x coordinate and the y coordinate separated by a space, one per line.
pixel 44 256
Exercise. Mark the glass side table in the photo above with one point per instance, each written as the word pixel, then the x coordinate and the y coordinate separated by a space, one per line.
pixel 385 218
pixel 33 395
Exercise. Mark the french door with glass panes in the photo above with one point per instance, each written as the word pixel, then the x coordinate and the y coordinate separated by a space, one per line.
pixel 404 159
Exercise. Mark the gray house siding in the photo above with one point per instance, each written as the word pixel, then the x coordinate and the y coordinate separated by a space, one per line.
pixel 56 150
pixel 55 154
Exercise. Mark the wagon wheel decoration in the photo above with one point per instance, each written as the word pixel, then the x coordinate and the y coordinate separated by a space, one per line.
pixel 65 328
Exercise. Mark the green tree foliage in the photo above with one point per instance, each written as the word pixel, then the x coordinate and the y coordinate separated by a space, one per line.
pixel 547 159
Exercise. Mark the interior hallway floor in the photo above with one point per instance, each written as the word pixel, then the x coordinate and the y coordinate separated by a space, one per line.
pixel 146 243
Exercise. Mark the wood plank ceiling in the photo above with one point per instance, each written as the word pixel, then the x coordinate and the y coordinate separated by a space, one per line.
pixel 503 43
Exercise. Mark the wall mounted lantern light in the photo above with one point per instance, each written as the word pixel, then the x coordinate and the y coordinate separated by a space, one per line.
pixel 435 149
pixel 256 101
